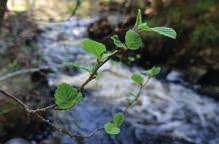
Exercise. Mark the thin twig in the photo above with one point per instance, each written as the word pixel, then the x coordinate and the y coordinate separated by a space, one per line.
pixel 138 95
pixel 97 67
pixel 36 113
pixel 53 107
pixel 24 106
pixel 24 71
pixel 67 132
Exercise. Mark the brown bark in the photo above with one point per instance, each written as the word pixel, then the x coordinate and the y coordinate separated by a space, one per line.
pixel 3 7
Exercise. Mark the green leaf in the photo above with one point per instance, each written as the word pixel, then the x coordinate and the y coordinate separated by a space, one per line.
pixel 71 64
pixel 66 96
pixel 117 41
pixel 138 18
pixel 94 47
pixel 118 119
pixel 133 40
pixel 168 32
pixel 111 129
pixel 143 27
pixel 137 78
pixel 153 71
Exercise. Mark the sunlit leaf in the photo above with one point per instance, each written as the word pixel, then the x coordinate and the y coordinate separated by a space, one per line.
pixel 139 79
pixel 66 96
pixel 153 71
pixel 168 32
pixel 111 129
pixel 133 40
pixel 94 47
pixel 118 119
pixel 143 27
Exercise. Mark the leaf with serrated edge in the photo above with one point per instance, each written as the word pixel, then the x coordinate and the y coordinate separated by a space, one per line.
pixel 111 129
pixel 94 47
pixel 137 78
pixel 133 40
pixel 66 96
pixel 168 32
pixel 153 71
pixel 118 119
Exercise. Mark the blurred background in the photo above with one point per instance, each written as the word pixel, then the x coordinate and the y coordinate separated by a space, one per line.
pixel 179 106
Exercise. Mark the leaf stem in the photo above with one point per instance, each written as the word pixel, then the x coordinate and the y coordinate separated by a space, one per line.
pixel 137 95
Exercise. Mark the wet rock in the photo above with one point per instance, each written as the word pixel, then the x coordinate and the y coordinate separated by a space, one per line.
pixel 175 77
pixel 100 28
pixel 210 78
pixel 18 141
pixel 210 84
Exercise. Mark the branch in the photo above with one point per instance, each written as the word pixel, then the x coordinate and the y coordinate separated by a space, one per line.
pixel 24 106
pixel 36 113
pixel 138 94
pixel 53 107
pixel 67 132
pixel 98 65
pixel 13 74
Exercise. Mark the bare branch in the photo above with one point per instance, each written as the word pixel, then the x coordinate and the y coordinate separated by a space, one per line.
pixel 54 107
pixel 24 106
pixel 98 65
pixel 138 95
pixel 67 132
pixel 36 113
pixel 13 74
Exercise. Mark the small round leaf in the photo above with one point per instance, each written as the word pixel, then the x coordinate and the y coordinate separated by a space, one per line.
pixel 153 71
pixel 111 129
pixel 118 119
pixel 66 96
pixel 139 79
pixel 133 40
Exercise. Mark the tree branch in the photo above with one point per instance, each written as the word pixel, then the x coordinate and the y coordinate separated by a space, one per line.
pixel 13 74
pixel 54 107
pixel 97 67
pixel 36 113
pixel 138 95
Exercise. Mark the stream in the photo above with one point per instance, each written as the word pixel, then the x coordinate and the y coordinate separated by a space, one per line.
pixel 166 113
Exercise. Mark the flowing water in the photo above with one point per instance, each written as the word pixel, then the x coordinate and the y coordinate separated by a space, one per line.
pixel 165 114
